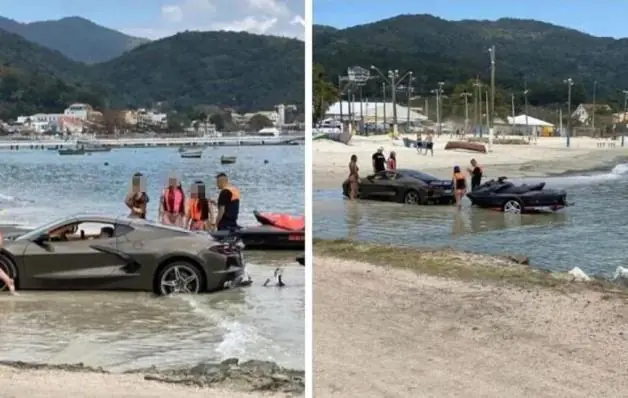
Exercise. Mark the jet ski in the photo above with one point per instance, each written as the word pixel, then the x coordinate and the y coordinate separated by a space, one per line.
pixel 505 196
pixel 276 231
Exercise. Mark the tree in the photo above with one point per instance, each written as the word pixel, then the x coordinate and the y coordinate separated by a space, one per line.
pixel 113 121
pixel 324 93
pixel 218 120
pixel 258 122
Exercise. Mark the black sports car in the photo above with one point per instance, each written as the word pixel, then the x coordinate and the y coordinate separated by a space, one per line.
pixel 108 253
pixel 505 196
pixel 404 186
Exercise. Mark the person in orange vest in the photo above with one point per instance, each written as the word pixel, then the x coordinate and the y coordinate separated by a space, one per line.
pixel 198 213
pixel 172 204
pixel 228 204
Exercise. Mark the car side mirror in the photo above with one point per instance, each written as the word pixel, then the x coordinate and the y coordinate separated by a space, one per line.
pixel 42 239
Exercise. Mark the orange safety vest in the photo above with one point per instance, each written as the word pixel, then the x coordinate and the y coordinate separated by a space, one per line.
pixel 193 212
pixel 235 192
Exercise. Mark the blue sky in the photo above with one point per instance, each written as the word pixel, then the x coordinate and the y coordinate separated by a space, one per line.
pixel 159 18
pixel 599 18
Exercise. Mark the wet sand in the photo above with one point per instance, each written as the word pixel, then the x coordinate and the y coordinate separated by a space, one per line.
pixel 20 383
pixel 388 332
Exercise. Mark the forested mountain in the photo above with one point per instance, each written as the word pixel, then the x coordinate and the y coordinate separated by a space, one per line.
pixel 77 38
pixel 454 52
pixel 228 69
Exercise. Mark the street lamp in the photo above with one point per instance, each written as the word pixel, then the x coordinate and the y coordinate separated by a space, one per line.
pixel 409 90
pixel 623 133
pixel 439 95
pixel 525 102
pixel 491 52
pixel 466 96
pixel 569 83
pixel 394 80
pixel 477 104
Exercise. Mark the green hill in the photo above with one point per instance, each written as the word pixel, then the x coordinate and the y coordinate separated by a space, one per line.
pixel 77 38
pixel 238 70
pixel 454 52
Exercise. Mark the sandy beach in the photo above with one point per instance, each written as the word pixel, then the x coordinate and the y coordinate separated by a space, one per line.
pixel 389 332
pixel 19 383
pixel 548 155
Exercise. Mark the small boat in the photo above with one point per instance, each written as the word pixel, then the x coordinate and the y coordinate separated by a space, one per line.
pixel 72 151
pixel 227 159
pixel 194 154
pixel 467 146
pixel 182 149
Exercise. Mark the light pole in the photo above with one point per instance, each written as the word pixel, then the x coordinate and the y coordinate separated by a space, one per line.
pixel 512 105
pixel 477 103
pixel 623 132
pixel 569 82
pixel 525 103
pixel 594 105
pixel 439 95
pixel 492 113
pixel 466 96
pixel 393 80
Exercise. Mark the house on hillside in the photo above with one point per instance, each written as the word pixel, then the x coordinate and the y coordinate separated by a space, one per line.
pixel 584 112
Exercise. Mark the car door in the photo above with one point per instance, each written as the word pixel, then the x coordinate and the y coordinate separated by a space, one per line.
pixel 69 265
pixel 386 186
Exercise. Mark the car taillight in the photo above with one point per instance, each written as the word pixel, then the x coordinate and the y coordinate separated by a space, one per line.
pixel 222 249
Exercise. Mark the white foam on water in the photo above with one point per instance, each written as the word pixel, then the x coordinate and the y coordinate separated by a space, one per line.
pixel 6 198
pixel 26 217
pixel 237 335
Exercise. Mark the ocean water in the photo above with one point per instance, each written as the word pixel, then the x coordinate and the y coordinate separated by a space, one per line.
pixel 587 235
pixel 122 331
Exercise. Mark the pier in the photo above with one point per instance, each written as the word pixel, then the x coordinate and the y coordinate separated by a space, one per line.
pixel 153 142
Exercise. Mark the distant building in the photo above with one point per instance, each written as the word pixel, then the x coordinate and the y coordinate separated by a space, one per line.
pixel 584 112
pixel 80 111
pixel 151 118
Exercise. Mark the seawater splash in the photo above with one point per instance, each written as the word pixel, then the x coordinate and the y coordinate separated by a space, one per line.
pixel 620 169
pixel 237 335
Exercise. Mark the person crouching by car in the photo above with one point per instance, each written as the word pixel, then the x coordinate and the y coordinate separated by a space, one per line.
pixel 199 215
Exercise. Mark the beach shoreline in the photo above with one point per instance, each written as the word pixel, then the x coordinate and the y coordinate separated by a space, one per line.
pixel 548 156
pixel 227 379
pixel 499 327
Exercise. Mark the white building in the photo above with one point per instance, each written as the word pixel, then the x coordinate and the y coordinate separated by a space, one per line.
pixel 151 118
pixel 584 112
pixel 80 111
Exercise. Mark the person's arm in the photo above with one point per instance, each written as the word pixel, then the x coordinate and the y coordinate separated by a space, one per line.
pixel 161 210
pixel 211 224
pixel 128 201
pixel 223 200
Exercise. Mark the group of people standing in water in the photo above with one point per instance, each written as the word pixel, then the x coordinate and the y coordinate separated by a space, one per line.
pixel 194 211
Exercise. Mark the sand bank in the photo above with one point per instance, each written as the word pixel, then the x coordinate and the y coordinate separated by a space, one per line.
pixel 461 333
pixel 548 155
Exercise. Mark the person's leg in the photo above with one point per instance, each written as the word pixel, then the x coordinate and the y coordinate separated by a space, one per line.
pixel 6 279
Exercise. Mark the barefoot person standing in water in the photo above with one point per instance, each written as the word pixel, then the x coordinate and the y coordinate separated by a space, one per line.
pixel 4 277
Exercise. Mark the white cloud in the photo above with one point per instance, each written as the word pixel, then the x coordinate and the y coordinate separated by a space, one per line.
pixel 274 17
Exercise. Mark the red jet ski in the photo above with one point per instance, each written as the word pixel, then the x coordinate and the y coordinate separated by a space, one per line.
pixel 277 231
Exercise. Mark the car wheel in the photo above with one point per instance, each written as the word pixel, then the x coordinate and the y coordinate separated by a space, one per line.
pixel 180 277
pixel 513 206
pixel 412 197
pixel 9 268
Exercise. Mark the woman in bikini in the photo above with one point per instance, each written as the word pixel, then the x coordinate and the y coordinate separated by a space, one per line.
pixel 354 177
pixel 460 185
pixel 137 199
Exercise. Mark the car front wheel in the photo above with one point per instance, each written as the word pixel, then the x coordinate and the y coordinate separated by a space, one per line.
pixel 412 197
pixel 179 277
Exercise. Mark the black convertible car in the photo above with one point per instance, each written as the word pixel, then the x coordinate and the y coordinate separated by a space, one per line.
pixel 404 186
pixel 503 195
pixel 108 253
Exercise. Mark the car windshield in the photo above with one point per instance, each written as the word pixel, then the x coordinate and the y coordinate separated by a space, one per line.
pixel 39 230
pixel 419 175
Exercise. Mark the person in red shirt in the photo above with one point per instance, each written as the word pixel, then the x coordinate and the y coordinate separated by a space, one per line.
pixel 392 161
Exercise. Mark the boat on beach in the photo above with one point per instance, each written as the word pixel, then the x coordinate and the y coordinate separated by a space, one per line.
pixel 71 151
pixel 192 154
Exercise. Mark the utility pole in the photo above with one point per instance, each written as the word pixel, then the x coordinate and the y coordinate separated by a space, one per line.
pixel 439 95
pixel 487 112
pixel 512 105
pixel 623 131
pixel 427 107
pixel 594 105
pixel 394 80
pixel 492 117
pixel 569 83
pixel 466 96
pixel 340 89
